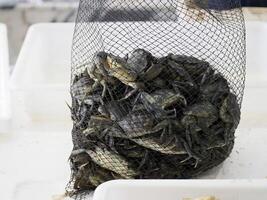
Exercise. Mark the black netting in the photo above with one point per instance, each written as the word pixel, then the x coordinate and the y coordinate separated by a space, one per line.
pixel 156 88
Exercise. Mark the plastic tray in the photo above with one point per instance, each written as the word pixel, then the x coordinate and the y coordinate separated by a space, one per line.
pixel 40 81
pixel 4 79
pixel 181 189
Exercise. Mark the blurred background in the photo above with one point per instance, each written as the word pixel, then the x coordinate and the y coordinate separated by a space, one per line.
pixel 18 15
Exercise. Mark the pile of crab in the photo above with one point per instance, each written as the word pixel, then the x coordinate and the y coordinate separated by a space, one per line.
pixel 147 117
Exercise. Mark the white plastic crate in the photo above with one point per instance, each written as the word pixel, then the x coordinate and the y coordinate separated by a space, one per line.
pixel 4 79
pixel 40 81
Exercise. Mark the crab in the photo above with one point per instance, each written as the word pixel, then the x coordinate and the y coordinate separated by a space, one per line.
pixel 198 117
pixel 119 68
pixel 139 60
pixel 230 114
pixel 160 101
pixel 97 70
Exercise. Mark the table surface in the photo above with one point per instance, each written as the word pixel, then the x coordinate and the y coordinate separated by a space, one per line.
pixel 34 158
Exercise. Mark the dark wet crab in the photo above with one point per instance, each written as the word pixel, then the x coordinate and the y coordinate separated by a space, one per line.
pixel 100 124
pixel 104 129
pixel 198 117
pixel 214 89
pixel 78 112
pixel 137 123
pixel 230 114
pixel 117 110
pixel 119 68
pixel 180 73
pixel 159 101
pixel 166 140
pixel 80 86
pixel 105 67
pixel 109 160
pixel 195 67
pixel 152 72
pixel 97 70
pixel 139 60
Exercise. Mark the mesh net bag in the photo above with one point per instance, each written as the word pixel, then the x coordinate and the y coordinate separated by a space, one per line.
pixel 156 88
